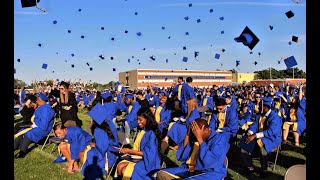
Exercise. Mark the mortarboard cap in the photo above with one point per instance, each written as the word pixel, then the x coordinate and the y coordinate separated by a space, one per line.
pixel 29 3
pixel 163 28
pixel 144 49
pixel 217 56
pixel 88 64
pixel 136 13
pixel 112 39
pixel 39 44
pixel 267 101
pixel 132 56
pixel 98 113
pixel 290 62
pixel 169 37
pixel 129 96
pixel 259 53
pixel 186 18
pixel 32 98
pixel 271 27
pixel 14 70
pixel 289 42
pixel 222 32
pixel 82 36
pixel 167 60
pixel 289 14
pixel 128 60
pixel 69 31
pixel 237 63
pixel 190 5
pixel 44 66
pixel 18 60
pixel 184 48
pixel 294 39
pixel 102 28
pixel 223 50
pixel 255 62
pixel 43 97
pixel 63 83
pixel 199 20
pixel 139 63
pixel 111 58
pixel 211 10
pixel 279 62
pixel 221 18
pixel 55 22
pixel 153 58
pixel 248 38
pixel 196 54
pixel 187 33
pixel 72 54
pixel 72 65
pixel 113 69
pixel 91 69
pixel 184 59
pixel 139 33
pixel 79 10
pixel 101 56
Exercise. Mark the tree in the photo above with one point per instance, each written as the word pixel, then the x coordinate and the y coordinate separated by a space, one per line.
pixel 19 83
pixel 281 74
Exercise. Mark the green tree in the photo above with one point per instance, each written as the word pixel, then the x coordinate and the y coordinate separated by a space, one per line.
pixel 19 83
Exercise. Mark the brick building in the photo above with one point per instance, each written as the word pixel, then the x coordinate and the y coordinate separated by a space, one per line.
pixel 141 78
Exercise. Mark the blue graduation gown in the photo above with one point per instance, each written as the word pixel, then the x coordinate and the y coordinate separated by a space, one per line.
pixel 165 116
pixel 301 120
pixel 155 101
pixel 271 130
pixel 44 120
pixel 177 132
pixel 209 102
pixel 78 140
pixel 111 109
pixel 231 123
pixel 211 156
pixel 186 93
pixel 131 117
pixel 22 97
pixel 193 115
pixel 103 145
pixel 151 157
pixel 175 90
pixel 245 118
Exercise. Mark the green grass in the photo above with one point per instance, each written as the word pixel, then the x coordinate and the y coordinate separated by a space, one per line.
pixel 38 165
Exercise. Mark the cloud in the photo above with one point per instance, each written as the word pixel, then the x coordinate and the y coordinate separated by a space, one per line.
pixel 234 3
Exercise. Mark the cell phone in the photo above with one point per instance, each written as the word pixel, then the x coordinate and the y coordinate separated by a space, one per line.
pixel 118 149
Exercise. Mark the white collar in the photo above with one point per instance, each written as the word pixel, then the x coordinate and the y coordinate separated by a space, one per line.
pixel 267 114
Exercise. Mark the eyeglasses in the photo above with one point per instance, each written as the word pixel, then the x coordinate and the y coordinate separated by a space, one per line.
pixel 257 96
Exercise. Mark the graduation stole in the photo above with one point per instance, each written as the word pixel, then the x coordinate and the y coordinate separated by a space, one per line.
pixel 261 122
pixel 277 106
pixel 256 108
pixel 25 130
pixel 291 98
pixel 179 90
pixel 158 113
pixel 191 162
pixel 136 144
pixel 221 119
pixel 205 101
pixel 293 116
pixel 129 108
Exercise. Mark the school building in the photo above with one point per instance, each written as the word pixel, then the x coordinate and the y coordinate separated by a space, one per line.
pixel 141 78
pixel 239 78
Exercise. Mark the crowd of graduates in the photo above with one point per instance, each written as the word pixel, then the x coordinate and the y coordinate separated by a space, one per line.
pixel 199 124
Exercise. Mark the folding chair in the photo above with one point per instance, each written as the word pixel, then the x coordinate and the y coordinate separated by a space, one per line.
pixel 296 172
pixel 121 137
pixel 51 133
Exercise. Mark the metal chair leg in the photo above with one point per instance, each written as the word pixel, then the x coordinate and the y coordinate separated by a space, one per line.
pixel 45 142
pixel 275 161
pixel 52 148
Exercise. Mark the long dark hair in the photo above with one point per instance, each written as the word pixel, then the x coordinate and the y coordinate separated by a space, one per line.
pixel 104 126
pixel 151 123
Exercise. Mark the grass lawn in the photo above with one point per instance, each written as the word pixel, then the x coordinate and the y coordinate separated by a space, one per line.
pixel 38 164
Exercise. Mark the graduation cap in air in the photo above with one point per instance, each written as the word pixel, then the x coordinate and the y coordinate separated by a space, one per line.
pixel 165 79
pixel 72 55
pixel 223 50
pixel 222 32
pixel 163 28
pixel 289 42
pixel 102 28
pixel 167 60
pixel 82 36
pixel 98 113
pixel 144 49
pixel 101 57
pixel 259 53
pixel 88 64
pixel 290 62
pixel 289 14
pixel 113 69
pixel 139 33
pixel 255 62
pixel 91 69
pixel 55 22
pixel 248 38
pixel 271 27
pixel 39 44
pixel 29 3
pixel 211 10
pixel 136 13
pixel 221 18
pixel 153 58
pixel 132 56
pixel 72 65
pixel 65 61
pixel 79 10
pixel 250 52
pixel 294 39
pixel 14 70
pixel 69 31
pixel 279 62
pixel 44 66
pixel 190 5
pixel 237 63
pixel 112 39
pixel 169 37
pixel 126 31
pixel 217 56
pixel 184 59
pixel 196 54
pixel 187 33
pixel 199 20
pixel 18 60
pixel 111 58
pixel 139 63
pixel 184 48
pixel 186 18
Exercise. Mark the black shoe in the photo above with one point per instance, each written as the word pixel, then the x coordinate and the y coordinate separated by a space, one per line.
pixel 263 174
pixel 20 154
pixel 248 171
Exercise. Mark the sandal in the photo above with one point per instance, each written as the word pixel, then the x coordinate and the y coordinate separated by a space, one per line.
pixel 297 144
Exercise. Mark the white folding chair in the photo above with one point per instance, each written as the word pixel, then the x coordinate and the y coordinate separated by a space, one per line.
pixel 296 172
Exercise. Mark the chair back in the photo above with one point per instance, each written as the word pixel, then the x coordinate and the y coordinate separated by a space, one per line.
pixel 296 172
pixel 121 137
pixel 70 123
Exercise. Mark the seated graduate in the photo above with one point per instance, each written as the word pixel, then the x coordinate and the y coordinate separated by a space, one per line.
pixel 26 113
pixel 162 114
pixel 203 152
pixel 295 117
pixel 98 160
pixel 265 134
pixel 42 124
pixel 146 146
pixel 75 141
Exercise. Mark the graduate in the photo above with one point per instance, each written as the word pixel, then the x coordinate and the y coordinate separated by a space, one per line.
pixel 130 120
pixel 75 141
pixel 265 134
pixel 203 153
pixel 176 92
pixel 99 159
pixel 206 101
pixel 224 120
pixel 26 113
pixel 42 122
pixel 162 114
pixel 186 93
pixel 295 117
pixel 146 146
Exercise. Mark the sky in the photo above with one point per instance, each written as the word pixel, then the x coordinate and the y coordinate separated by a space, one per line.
pixel 31 27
